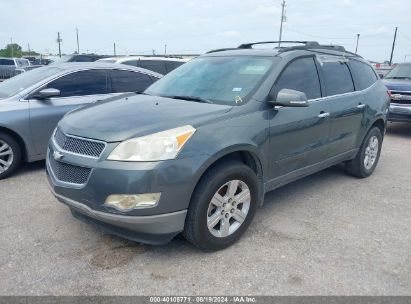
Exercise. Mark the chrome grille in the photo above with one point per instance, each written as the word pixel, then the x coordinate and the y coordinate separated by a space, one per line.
pixel 67 173
pixel 81 146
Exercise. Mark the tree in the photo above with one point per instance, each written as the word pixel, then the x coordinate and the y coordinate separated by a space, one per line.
pixel 11 50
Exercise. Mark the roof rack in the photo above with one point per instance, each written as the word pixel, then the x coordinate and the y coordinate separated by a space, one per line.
pixel 305 45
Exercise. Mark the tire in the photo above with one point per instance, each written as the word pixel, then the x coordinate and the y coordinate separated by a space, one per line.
pixel 357 167
pixel 238 214
pixel 10 155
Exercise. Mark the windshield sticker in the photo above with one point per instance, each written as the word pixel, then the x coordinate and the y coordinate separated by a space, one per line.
pixel 237 89
pixel 238 100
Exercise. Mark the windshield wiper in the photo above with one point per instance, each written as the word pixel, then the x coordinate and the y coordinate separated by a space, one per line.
pixel 398 77
pixel 191 98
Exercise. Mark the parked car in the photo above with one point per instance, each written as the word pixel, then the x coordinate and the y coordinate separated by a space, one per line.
pixel 78 58
pixel 162 65
pixel 398 81
pixel 10 67
pixel 199 149
pixel 32 103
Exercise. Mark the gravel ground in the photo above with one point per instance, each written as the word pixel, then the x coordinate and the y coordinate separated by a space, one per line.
pixel 327 234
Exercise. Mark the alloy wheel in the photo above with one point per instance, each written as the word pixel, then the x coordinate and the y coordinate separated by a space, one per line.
pixel 371 152
pixel 6 156
pixel 228 208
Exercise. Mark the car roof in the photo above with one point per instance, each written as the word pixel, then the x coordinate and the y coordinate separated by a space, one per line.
pixel 126 58
pixel 103 65
pixel 302 47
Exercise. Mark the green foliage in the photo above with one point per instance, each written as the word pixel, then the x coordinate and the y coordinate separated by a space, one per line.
pixel 11 50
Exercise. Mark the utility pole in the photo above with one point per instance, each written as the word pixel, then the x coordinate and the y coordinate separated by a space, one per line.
pixel 115 50
pixel 154 52
pixel 78 44
pixel 283 18
pixel 28 48
pixel 165 49
pixel 356 47
pixel 59 40
pixel 393 45
pixel 12 47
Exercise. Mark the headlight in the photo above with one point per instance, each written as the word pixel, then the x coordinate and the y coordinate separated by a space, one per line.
pixel 155 147
pixel 130 202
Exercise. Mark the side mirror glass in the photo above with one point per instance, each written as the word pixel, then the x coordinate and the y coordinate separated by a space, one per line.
pixel 46 93
pixel 290 98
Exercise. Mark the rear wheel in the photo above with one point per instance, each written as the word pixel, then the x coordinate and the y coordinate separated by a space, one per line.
pixel 10 155
pixel 222 206
pixel 363 165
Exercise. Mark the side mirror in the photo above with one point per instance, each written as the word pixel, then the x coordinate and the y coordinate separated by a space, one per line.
pixel 290 98
pixel 46 93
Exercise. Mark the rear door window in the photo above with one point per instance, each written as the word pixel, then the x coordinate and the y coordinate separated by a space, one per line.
pixel 337 77
pixel 89 82
pixel 128 81
pixel 6 62
pixel 171 65
pixel 300 75
pixel 154 65
pixel 363 75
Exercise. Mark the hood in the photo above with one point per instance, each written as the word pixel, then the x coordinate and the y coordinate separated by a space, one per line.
pixel 139 115
pixel 398 84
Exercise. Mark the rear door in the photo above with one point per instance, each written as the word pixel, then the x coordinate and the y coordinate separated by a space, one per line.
pixel 299 136
pixel 346 106
pixel 77 89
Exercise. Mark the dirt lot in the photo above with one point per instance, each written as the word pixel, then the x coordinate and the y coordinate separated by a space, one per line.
pixel 328 234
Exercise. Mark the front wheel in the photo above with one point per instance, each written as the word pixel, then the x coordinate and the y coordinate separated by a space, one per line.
pixel 363 165
pixel 10 155
pixel 222 206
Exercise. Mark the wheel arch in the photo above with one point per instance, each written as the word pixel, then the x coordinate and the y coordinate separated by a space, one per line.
pixel 18 139
pixel 248 154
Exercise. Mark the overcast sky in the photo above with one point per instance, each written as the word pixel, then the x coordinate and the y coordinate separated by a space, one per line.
pixel 197 26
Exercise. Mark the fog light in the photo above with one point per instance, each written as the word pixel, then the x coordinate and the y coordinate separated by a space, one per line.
pixel 129 202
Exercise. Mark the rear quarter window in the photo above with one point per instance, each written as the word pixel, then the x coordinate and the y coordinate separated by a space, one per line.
pixel 337 78
pixel 363 75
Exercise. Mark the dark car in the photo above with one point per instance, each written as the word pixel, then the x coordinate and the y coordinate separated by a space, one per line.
pixel 197 152
pixel 32 103
pixel 79 58
pixel 398 81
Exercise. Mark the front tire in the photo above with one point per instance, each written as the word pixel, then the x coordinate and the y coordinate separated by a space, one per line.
pixel 363 165
pixel 10 155
pixel 222 206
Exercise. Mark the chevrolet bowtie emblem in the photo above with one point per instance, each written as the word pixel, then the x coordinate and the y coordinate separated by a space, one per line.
pixel 57 155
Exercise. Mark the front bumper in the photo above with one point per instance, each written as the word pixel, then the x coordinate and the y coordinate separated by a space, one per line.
pixel 399 112
pixel 156 229
pixel 174 179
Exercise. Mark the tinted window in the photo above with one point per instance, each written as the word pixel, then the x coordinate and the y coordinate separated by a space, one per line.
pixel 131 62
pixel 300 75
pixel 127 81
pixel 363 75
pixel 154 65
pixel 6 62
pixel 83 59
pixel 171 65
pixel 81 83
pixel 401 71
pixel 337 78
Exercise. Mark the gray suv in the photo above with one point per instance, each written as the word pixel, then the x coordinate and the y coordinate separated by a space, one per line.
pixel 197 151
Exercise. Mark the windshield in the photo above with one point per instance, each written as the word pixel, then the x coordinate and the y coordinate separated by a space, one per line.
pixel 15 85
pixel 402 71
pixel 222 80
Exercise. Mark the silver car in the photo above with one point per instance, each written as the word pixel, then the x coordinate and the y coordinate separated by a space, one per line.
pixel 32 103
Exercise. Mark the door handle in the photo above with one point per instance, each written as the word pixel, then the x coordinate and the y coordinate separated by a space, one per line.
pixel 361 106
pixel 324 114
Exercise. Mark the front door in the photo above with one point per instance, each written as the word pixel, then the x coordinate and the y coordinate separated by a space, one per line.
pixel 299 136
pixel 76 89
